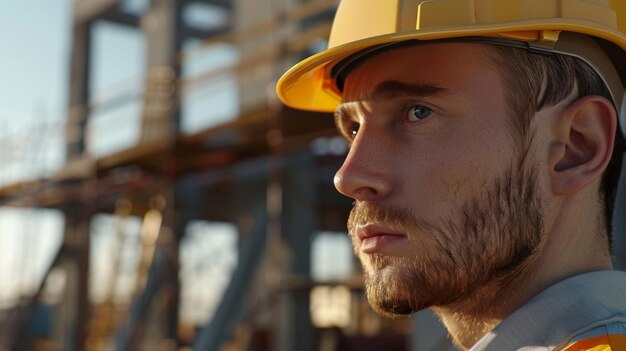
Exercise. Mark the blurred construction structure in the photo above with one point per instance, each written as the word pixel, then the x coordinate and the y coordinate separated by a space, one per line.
pixel 215 226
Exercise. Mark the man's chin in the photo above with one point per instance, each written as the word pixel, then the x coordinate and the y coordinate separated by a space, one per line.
pixel 394 306
pixel 391 310
pixel 393 293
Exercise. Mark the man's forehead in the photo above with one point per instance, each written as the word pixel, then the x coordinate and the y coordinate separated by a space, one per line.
pixel 420 64
pixel 392 88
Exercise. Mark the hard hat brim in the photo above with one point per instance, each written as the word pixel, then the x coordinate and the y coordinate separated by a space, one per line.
pixel 310 86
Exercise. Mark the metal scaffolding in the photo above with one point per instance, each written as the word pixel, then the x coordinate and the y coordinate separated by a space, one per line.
pixel 254 171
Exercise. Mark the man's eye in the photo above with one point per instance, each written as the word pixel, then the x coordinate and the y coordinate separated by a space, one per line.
pixel 419 112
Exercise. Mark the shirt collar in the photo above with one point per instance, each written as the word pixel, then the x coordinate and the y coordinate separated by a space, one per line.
pixel 560 312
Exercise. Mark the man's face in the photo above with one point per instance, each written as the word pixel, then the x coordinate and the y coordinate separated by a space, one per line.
pixel 446 204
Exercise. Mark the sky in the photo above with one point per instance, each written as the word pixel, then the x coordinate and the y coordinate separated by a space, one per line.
pixel 33 67
pixel 33 85
pixel 34 55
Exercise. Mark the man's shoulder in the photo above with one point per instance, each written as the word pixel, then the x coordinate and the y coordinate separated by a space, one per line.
pixel 607 337
pixel 589 307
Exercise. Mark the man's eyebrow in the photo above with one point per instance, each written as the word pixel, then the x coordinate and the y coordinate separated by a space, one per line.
pixel 340 118
pixel 393 88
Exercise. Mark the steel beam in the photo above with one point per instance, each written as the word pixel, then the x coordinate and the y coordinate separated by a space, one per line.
pixel 117 16
pixel 250 201
pixel 87 10
pixel 299 222
pixel 76 302
pixel 79 91
pixel 161 114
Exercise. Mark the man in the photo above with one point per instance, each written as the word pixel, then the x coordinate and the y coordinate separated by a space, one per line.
pixel 485 151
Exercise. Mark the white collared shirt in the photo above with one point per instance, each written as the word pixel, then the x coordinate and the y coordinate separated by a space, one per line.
pixel 580 307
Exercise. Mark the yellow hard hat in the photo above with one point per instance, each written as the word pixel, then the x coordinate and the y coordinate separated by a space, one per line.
pixel 562 26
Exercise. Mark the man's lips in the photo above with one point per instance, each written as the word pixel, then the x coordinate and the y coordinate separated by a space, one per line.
pixel 374 238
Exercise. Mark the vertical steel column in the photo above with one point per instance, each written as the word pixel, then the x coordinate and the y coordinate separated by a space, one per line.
pixel 76 303
pixel 250 204
pixel 79 90
pixel 299 222
pixel 175 224
pixel 161 122
pixel 82 233
pixel 162 26
pixel 77 220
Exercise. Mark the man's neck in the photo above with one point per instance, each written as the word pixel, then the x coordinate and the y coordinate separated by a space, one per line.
pixel 567 251
pixel 465 330
pixel 469 320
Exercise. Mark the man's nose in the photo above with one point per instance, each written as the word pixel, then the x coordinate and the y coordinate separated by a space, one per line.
pixel 366 173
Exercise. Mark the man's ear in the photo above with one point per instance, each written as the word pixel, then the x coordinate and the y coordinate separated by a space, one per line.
pixel 585 133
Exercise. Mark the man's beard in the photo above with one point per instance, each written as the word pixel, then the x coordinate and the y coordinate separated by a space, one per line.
pixel 490 240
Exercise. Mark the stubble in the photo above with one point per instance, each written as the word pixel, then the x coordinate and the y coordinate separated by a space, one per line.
pixel 467 259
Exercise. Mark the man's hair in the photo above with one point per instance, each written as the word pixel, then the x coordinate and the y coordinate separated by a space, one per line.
pixel 536 81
